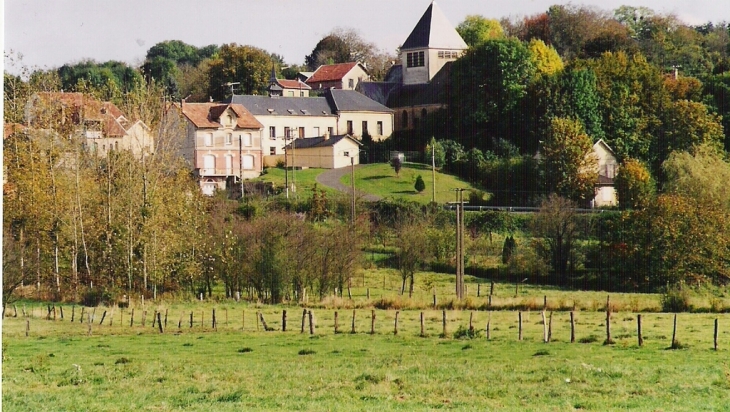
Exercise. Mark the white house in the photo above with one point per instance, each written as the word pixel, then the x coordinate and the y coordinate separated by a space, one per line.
pixel 325 152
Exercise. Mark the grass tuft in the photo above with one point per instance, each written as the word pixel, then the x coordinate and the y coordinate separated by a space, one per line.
pixel 307 352
pixel 245 350
pixel 122 361
pixel 541 352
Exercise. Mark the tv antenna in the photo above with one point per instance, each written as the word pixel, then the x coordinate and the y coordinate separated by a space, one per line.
pixel 231 84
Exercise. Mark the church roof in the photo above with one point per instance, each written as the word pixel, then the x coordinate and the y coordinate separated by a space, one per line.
pixel 434 31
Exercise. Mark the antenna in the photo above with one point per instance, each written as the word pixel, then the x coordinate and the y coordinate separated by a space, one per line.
pixel 231 84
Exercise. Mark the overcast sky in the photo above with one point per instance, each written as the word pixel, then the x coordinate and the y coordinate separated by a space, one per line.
pixel 50 33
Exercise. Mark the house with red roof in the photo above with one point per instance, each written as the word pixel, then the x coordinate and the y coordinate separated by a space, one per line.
pixel 338 76
pixel 222 143
pixel 102 125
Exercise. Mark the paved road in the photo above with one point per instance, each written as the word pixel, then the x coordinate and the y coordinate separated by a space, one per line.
pixel 331 178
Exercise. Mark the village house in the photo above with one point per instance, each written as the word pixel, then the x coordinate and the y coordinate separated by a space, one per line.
pixel 337 112
pixel 605 190
pixel 344 76
pixel 325 152
pixel 222 143
pixel 102 126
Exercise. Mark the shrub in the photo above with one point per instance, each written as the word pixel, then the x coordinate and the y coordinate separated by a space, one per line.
pixel 466 333
pixel 420 185
pixel 676 299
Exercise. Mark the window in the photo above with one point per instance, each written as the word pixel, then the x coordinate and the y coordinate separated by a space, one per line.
pixel 349 127
pixel 291 94
pixel 404 119
pixel 347 154
pixel 316 131
pixel 272 150
pixel 229 164
pixel 248 162
pixel 287 133
pixel 364 127
pixel 351 83
pixel 116 145
pixel 209 139
pixel 415 59
pixel 247 140
pixel 229 138
pixel 272 132
pixel 448 54
pixel 380 128
pixel 301 94
pixel 301 132
pixel 208 164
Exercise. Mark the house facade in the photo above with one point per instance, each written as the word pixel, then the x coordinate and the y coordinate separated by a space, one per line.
pixel 324 152
pixel 344 76
pixel 605 190
pixel 102 125
pixel 337 112
pixel 222 143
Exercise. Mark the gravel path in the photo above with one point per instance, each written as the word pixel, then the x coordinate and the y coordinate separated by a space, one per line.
pixel 331 178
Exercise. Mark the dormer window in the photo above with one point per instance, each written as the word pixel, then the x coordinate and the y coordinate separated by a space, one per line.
pixel 290 111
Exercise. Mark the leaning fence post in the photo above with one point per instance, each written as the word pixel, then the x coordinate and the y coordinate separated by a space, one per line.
pixel 395 330
pixel 353 321
pixel 159 324
pixel 336 323
pixel 544 328
pixel 102 318
pixel 489 324
pixel 674 333
pixel 638 327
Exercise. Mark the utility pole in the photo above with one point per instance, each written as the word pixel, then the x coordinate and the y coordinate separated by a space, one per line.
pixel 240 163
pixel 433 170
pixel 459 243
pixel 352 181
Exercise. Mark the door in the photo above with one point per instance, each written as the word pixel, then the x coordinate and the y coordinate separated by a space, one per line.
pixel 208 165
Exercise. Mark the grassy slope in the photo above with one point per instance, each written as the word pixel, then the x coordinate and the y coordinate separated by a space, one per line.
pixel 380 179
pixel 303 179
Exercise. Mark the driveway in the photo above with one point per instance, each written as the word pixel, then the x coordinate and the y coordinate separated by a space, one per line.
pixel 331 178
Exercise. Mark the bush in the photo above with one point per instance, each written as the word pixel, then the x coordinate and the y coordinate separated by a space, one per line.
pixel 420 185
pixel 676 299
pixel 466 333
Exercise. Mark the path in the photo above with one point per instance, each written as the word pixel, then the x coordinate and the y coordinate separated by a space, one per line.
pixel 331 178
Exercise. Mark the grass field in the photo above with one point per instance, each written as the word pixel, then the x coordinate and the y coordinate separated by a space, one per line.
pixel 121 368
pixel 239 366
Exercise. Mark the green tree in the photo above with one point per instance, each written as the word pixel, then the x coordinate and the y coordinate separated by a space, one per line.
pixel 420 185
pixel 688 124
pixel 634 185
pixel 568 164
pixel 700 174
pixel 476 29
pixel 544 58
pixel 247 65
pixel 555 232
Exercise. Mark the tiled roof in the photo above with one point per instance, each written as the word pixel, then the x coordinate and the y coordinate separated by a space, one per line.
pixel 331 72
pixel 312 142
pixel 206 115
pixel 114 122
pixel 434 31
pixel 284 106
pixel 353 101
pixel 292 84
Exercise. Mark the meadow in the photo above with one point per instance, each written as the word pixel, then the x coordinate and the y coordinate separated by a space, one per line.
pixel 237 365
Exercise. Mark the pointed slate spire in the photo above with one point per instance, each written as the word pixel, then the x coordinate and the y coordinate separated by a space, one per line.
pixel 434 31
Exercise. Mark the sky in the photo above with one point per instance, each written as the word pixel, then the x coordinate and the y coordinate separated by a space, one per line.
pixel 51 33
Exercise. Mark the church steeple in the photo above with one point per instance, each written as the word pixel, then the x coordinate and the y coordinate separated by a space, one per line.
pixel 431 44
pixel 274 88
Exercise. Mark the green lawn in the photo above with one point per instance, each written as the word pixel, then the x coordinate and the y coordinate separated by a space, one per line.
pixel 380 179
pixel 304 180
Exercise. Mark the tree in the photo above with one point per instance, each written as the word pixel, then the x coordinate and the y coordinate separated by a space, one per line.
pixel 476 29
pixel 248 65
pixel 569 165
pixel 688 124
pixel 634 185
pixel 344 45
pixel 546 60
pixel 411 253
pixel 420 185
pixel 439 153
pixel 330 50
pixel 488 84
pixel 397 164
pixel 701 175
pixel 555 233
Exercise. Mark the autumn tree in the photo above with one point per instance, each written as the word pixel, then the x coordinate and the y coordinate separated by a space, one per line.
pixel 555 232
pixel 247 65
pixel 568 164
pixel 688 124
pixel 544 58
pixel 476 29
pixel 635 186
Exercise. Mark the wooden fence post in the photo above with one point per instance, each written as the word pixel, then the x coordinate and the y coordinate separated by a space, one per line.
pixel 519 330
pixel 102 318
pixel 572 327
pixel 353 322
pixel 81 317
pixel 159 324
pixel 263 322
pixel 489 324
pixel 257 320
pixel 336 323
pixel 311 323
pixel 395 330
pixel 60 308
pixel 213 323
pixel 491 289
pixel 243 320
pixel 131 318
pixel 202 319
pixel 73 312
pixel 15 308
pixel 443 323
pixel 423 332
pixel 608 321
pixel 154 318
pixel 27 327
pixel 716 330
pixel 283 320
pixel 179 322
pixel 471 324
pixel 674 333
pixel 165 318
pixel 372 322
pixel 144 317
pixel 479 290
pixel 434 301
pixel 550 327
pixel 304 319
pixel 638 330
pixel 368 293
